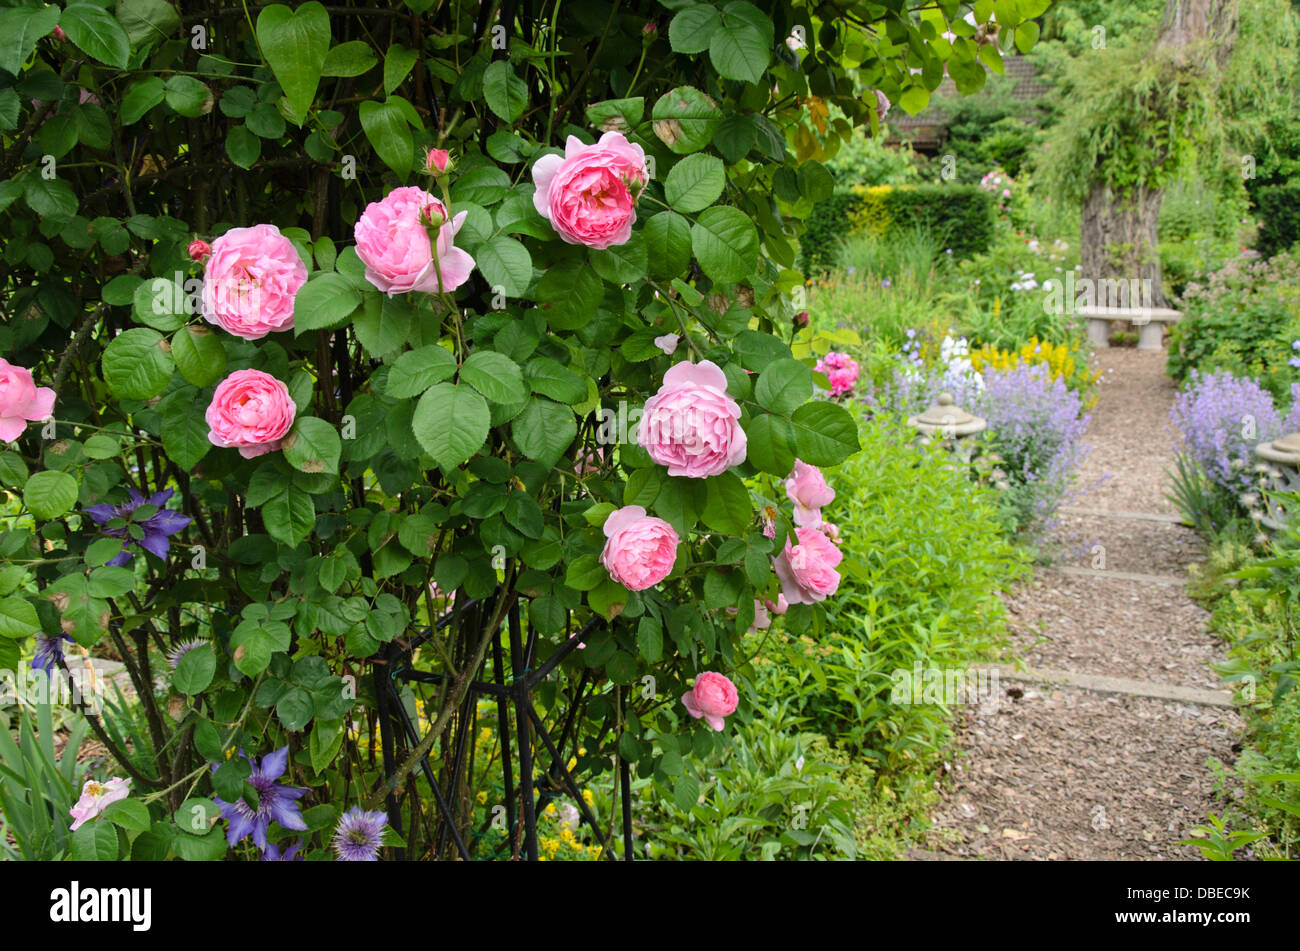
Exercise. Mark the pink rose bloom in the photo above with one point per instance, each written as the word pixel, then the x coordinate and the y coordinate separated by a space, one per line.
pixel 393 242
pixel 691 425
pixel 807 489
pixel 96 797
pixel 250 411
pixel 21 401
pixel 199 250
pixel 589 461
pixel 713 697
pixel 831 531
pixel 807 570
pixel 841 370
pixel 640 550
pixel 780 607
pixel 249 282
pixel 590 194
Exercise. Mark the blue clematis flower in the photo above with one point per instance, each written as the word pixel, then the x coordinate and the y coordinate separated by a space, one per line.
pixel 156 528
pixel 275 801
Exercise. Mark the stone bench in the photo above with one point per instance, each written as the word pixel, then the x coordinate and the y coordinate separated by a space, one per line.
pixel 1150 321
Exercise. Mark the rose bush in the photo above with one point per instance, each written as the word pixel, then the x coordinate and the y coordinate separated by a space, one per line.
pixel 227 270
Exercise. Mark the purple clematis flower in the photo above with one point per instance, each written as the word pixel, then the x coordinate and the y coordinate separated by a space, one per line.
pixel 157 527
pixel 274 801
pixel 49 651
pixel 273 853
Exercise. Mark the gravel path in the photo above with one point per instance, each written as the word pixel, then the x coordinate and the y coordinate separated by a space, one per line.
pixel 1061 772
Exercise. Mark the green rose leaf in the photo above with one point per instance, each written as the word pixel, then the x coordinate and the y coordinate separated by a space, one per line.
pixel 289 517
pixel 667 238
pixel 141 96
pixel 693 27
pixel 451 422
pixel 728 507
pixel 506 264
pixel 494 375
pixel 695 182
pixel 18 618
pixel 312 445
pixel 770 444
pixel 543 430
pixel 195 671
pixel 50 494
pixel 199 354
pixel 684 119
pixel 417 370
pixel 725 242
pixel 824 433
pixel 184 430
pixel 741 47
pixel 96 33
pixel 20 29
pixel 324 303
pixel 784 386
pixel 138 364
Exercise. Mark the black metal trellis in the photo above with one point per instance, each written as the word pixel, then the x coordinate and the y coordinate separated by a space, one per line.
pixel 526 789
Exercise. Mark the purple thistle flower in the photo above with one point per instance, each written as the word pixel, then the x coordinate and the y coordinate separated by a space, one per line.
pixel 359 835
pixel 273 853
pixel 49 651
pixel 275 801
pixel 156 528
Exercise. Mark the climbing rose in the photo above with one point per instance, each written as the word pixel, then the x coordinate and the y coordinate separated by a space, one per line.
pixel 438 162
pixel 250 411
pixel 691 425
pixel 590 194
pixel 807 489
pixel 249 282
pixel 640 550
pixel 713 697
pixel 393 242
pixel 807 570
pixel 21 401
pixel 95 798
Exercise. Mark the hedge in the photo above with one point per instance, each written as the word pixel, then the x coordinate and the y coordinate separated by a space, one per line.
pixel 962 213
pixel 1279 210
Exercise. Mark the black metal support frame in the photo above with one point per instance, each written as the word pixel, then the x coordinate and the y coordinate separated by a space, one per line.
pixel 526 790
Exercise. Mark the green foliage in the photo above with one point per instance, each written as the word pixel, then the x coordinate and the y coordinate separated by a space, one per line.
pixel 1278 207
pixel 37 785
pixel 866 160
pixel 960 217
pixel 920 592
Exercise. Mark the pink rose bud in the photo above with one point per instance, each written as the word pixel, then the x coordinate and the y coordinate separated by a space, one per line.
pixel 807 489
pixel 801 319
pixel 589 195
pixel 21 401
pixel 393 242
pixel 438 162
pixel 60 35
pixel 250 411
pixel 807 570
pixel 640 550
pixel 250 281
pixel 713 697
pixel 692 425
pixel 199 250
pixel 780 607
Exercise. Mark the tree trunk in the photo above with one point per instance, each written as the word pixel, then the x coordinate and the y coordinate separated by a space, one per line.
pixel 1118 234
pixel 1118 241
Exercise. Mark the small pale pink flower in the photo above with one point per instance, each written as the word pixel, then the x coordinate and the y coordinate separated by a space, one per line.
pixel 713 697
pixel 667 343
pixel 589 195
pixel 692 425
pixel 21 401
pixel 806 570
pixel 393 242
pixel 250 411
pixel 95 798
pixel 250 280
pixel 640 550
pixel 807 489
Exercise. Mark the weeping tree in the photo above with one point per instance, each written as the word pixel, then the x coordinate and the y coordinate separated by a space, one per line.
pixel 1135 118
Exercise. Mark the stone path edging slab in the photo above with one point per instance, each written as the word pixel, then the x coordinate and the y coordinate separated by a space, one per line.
pixel 1101 683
